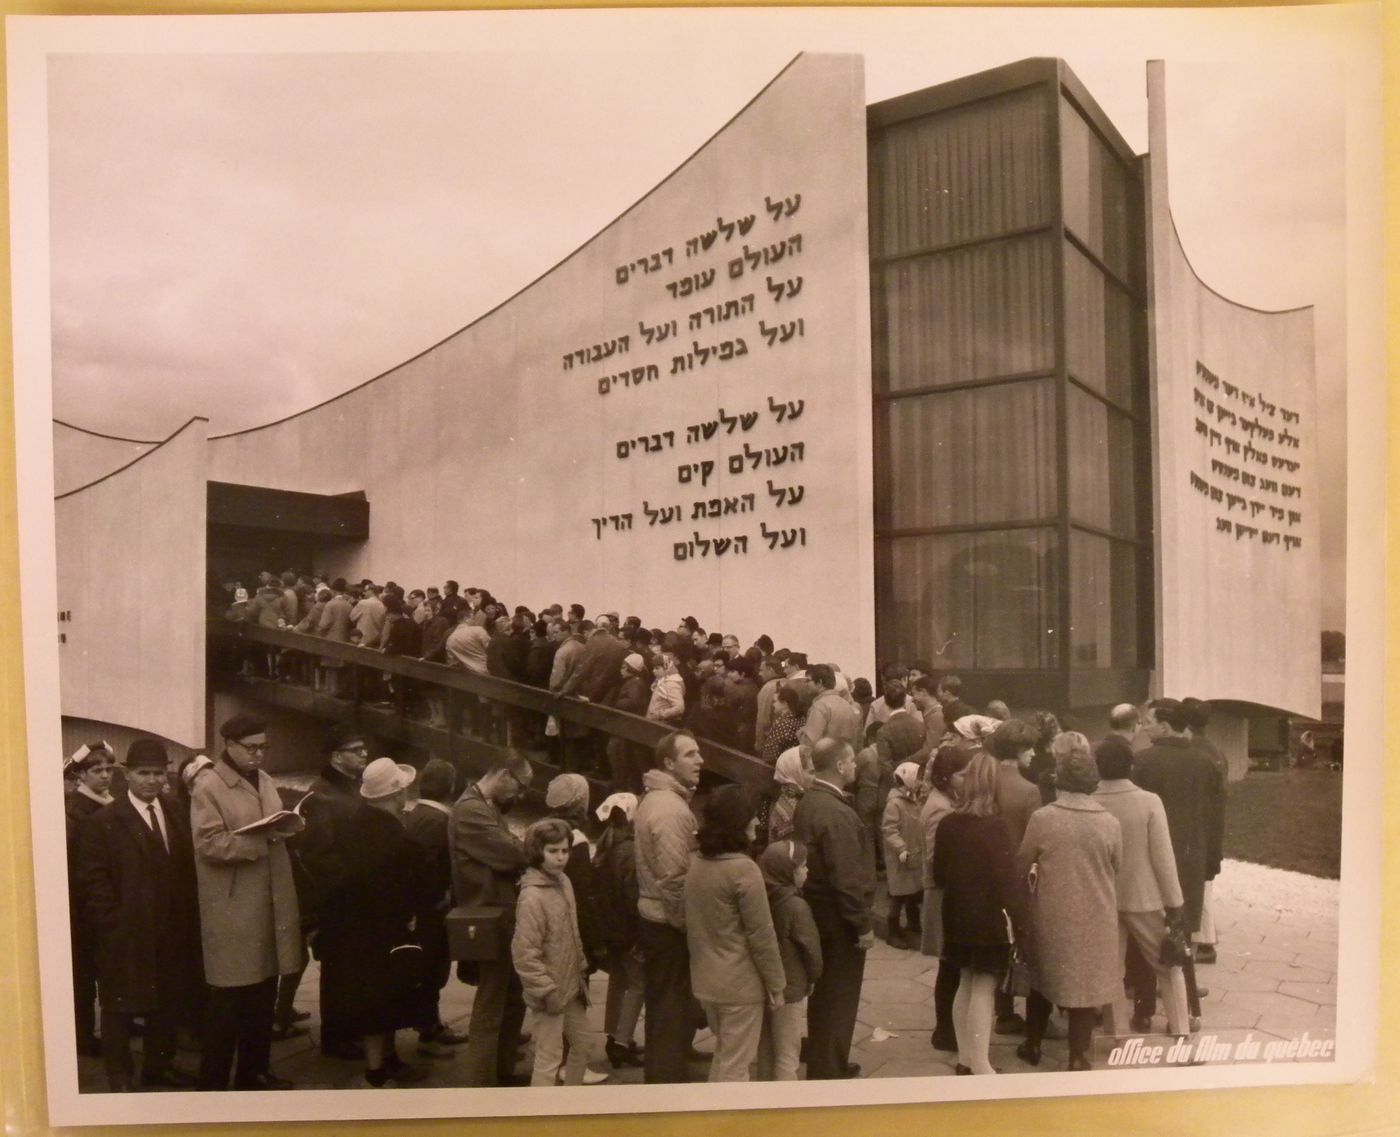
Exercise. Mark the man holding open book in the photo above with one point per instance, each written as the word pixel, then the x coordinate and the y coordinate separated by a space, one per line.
pixel 248 907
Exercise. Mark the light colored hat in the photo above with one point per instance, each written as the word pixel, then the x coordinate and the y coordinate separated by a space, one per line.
pixel 196 766
pixel 78 760
pixel 636 663
pixel 975 728
pixel 625 802
pixel 907 774
pixel 566 790
pixel 384 777
pixel 789 770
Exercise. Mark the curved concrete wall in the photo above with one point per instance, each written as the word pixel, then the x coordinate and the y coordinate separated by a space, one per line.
pixel 130 552
pixel 81 456
pixel 673 421
pixel 1236 479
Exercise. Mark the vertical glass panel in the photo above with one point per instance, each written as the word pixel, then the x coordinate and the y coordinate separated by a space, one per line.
pixel 1102 465
pixel 1100 331
pixel 968 314
pixel 963 173
pixel 970 600
pixel 1098 195
pixel 971 456
pixel 1103 602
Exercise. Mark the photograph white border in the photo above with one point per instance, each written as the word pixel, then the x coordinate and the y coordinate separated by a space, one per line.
pixel 30 40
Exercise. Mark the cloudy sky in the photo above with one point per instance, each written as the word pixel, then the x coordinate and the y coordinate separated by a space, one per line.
pixel 249 216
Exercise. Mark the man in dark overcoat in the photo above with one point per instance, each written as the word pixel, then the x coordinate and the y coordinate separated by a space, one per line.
pixel 1192 792
pixel 334 798
pixel 487 860
pixel 426 824
pixel 136 866
pixel 840 890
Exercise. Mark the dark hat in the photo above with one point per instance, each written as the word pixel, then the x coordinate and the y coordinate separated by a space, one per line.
pixel 146 752
pixel 241 726
pixel 341 733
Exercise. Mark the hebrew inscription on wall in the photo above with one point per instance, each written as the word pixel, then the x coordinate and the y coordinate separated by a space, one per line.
pixel 1252 450
pixel 728 294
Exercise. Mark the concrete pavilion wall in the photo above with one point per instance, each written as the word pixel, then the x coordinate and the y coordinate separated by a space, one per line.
pixel 1239 579
pixel 710 346
pixel 130 556
pixel 82 456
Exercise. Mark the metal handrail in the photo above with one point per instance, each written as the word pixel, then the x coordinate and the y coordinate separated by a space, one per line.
pixel 732 765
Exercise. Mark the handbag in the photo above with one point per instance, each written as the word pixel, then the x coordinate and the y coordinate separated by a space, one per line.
pixel 407 973
pixel 1176 948
pixel 477 933
pixel 1016 980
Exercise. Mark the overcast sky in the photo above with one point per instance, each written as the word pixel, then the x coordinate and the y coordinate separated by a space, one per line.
pixel 249 217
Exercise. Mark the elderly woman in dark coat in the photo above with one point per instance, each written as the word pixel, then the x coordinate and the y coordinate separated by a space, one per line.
pixel 1073 846
pixel 369 990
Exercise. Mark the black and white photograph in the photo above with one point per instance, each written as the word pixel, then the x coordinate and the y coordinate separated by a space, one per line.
pixel 597 553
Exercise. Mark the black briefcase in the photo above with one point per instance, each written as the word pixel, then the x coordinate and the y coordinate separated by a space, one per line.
pixel 477 933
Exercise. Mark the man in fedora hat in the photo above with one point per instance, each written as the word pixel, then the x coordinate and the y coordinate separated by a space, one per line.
pixel 136 868
pixel 249 920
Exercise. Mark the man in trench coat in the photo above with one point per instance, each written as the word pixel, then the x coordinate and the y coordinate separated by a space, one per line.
pixel 248 909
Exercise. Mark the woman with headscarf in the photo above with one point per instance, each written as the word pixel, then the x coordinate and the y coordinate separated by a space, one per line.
pixel 90 770
pixel 566 797
pixel 1072 850
pixel 974 864
pixel 735 966
pixel 938 804
pixel 615 881
pixel 792 779
pixel 784 868
pixel 667 702
pixel 904 855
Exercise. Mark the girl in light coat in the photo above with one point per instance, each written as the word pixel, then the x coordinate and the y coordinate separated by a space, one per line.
pixel 904 855
pixel 548 955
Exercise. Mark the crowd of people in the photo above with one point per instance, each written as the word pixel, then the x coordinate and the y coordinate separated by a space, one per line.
pixel 1041 871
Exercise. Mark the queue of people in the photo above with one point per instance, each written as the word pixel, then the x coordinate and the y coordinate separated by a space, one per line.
pixel 1038 869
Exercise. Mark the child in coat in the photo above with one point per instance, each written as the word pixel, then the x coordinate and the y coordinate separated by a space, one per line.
pixel 615 873
pixel 904 854
pixel 784 868
pixel 548 955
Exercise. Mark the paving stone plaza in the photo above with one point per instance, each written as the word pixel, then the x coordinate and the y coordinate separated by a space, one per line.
pixel 1275 978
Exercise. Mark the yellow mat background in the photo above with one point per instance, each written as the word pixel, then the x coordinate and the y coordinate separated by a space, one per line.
pixel 1278 1112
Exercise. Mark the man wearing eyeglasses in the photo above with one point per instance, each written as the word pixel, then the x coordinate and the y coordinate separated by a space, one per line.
pixel 333 800
pixel 249 918
pixel 487 860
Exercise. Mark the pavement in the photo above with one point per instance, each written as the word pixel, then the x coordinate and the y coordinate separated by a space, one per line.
pixel 1275 977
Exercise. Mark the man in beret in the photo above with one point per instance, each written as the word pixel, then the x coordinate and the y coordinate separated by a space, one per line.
pixel 249 920
pixel 136 866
